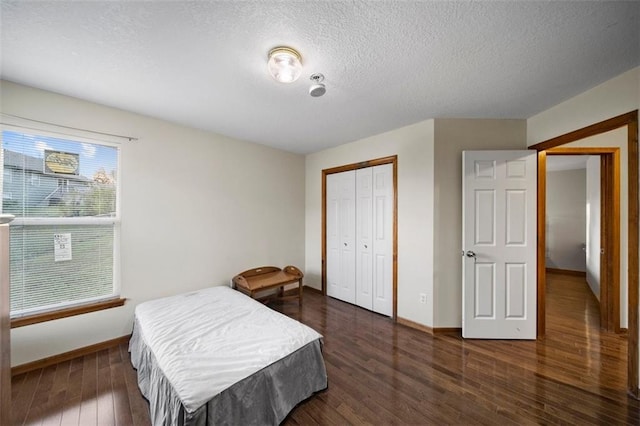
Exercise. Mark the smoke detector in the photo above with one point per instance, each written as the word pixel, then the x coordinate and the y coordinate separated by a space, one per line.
pixel 318 88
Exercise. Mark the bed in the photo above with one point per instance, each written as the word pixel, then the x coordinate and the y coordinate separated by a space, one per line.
pixel 216 356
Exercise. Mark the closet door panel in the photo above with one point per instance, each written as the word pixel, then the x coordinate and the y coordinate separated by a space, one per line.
pixel 333 235
pixel 364 245
pixel 347 232
pixel 359 232
pixel 383 239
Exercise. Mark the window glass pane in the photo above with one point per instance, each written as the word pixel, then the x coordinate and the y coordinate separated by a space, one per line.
pixel 43 274
pixel 54 177
pixel 53 266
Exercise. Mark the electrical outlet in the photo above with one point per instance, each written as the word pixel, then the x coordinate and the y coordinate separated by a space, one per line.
pixel 423 298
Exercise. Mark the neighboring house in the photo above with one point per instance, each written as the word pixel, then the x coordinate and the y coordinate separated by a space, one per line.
pixel 24 181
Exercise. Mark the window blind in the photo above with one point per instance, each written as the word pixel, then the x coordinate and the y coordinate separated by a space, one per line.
pixel 41 281
pixel 63 241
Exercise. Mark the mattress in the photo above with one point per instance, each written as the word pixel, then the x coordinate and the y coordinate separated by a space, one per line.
pixel 216 356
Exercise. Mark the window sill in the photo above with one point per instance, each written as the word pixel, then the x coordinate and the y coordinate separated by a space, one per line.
pixel 68 312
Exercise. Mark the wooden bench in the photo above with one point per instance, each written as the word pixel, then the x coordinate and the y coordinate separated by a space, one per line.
pixel 265 278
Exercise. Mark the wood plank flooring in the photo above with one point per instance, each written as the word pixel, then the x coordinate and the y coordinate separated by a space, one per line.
pixel 384 373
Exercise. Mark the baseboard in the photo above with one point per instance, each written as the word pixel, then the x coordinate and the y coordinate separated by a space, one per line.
pixel 447 330
pixel 56 359
pixel 426 329
pixel 312 289
pixel 567 272
pixel 414 325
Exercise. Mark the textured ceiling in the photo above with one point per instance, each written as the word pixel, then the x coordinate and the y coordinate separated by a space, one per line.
pixel 387 64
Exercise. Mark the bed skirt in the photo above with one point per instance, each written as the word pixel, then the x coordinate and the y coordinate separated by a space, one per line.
pixel 265 397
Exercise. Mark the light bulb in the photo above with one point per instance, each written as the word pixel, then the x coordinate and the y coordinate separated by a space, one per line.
pixel 284 64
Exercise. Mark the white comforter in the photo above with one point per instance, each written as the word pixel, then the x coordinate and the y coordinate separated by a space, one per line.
pixel 206 341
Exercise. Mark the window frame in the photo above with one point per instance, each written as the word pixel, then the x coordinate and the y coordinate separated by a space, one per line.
pixel 88 305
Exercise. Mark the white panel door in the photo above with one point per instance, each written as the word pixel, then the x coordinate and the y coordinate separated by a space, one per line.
pixel 333 234
pixel 341 230
pixel 347 227
pixel 383 239
pixel 364 244
pixel 499 244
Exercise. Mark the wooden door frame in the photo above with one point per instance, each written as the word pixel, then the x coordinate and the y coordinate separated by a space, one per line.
pixel 630 121
pixel 355 166
pixel 610 229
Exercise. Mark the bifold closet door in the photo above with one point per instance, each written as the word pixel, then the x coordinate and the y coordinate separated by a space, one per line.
pixel 359 227
pixel 340 228
pixel 364 245
pixel 374 221
pixel 382 238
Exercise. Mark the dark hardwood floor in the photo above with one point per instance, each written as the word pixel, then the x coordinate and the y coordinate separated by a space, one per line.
pixel 383 373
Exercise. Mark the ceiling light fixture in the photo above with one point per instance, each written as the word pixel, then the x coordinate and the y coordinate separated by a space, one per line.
pixel 285 64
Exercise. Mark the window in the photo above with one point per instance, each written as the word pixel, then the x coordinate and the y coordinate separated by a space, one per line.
pixel 64 239
pixel 35 179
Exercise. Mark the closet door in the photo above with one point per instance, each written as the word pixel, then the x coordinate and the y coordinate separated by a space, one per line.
pixel 341 222
pixel 364 244
pixel 333 240
pixel 382 232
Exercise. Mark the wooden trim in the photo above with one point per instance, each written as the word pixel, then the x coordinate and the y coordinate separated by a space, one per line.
pixel 633 262
pixel 612 195
pixel 393 159
pixel 415 325
pixel 447 330
pixel 55 359
pixel 361 165
pixel 605 263
pixel 583 151
pixel 312 289
pixel 566 272
pixel 433 331
pixel 542 236
pixel 323 278
pixel 610 230
pixel 67 312
pixel 394 261
pixel 594 129
pixel 630 120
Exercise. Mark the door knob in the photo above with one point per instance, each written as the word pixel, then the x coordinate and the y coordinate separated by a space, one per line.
pixel 469 253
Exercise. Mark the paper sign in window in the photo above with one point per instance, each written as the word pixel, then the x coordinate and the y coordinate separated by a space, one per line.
pixel 62 247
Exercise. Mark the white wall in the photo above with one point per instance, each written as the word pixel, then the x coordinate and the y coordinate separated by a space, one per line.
pixel 197 208
pixel 429 206
pixel 414 147
pixel 452 136
pixel 566 219
pixel 611 98
pixel 593 224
